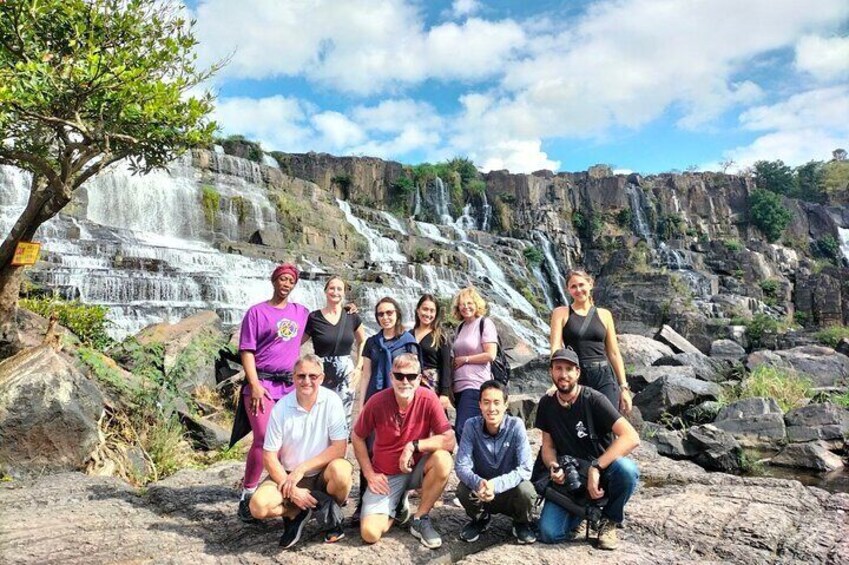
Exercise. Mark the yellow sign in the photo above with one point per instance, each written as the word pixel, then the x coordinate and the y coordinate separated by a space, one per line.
pixel 26 253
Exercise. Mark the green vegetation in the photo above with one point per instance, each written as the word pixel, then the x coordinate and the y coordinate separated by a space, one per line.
pixel 241 147
pixel 670 226
pixel 210 200
pixel 770 290
pixel 624 218
pixel 290 210
pixel 759 328
pixel 832 335
pixel 460 176
pixel 240 203
pixel 533 256
pixel 768 213
pixel 775 177
pixel 588 226
pixel 733 245
pixel 841 399
pixel 814 181
pixel 420 255
pixel 789 388
pixel 86 321
pixel 827 248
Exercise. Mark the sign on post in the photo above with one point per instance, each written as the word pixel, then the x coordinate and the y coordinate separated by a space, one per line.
pixel 26 253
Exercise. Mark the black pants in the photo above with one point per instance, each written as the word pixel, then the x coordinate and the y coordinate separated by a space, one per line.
pixel 602 379
pixel 518 502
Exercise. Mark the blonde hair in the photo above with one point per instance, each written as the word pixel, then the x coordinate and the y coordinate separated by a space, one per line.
pixel 584 275
pixel 472 293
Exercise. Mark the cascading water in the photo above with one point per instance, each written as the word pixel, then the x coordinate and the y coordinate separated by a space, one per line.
pixel 442 203
pixel 487 212
pixel 639 203
pixel 555 279
pixel 393 222
pixel 843 233
pixel 382 250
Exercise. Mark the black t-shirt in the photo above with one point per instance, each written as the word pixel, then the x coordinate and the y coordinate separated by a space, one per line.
pixel 324 334
pixel 569 427
pixel 438 358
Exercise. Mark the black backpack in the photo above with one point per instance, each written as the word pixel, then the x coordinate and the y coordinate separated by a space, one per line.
pixel 499 367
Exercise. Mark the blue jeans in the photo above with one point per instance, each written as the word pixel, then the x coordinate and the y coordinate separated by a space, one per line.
pixel 468 406
pixel 618 481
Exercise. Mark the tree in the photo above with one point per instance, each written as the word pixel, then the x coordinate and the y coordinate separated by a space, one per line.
pixel 774 176
pixel 768 213
pixel 839 154
pixel 810 179
pixel 85 84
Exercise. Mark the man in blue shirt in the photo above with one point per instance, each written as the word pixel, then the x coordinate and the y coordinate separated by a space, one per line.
pixel 494 467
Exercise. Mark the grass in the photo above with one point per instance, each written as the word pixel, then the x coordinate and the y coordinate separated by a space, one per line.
pixel 832 335
pixel 787 387
pixel 840 399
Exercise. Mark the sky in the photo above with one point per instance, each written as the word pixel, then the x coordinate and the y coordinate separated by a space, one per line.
pixel 641 85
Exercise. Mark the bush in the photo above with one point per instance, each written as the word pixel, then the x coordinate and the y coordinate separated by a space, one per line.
pixel 828 248
pixel 86 321
pixel 733 245
pixel 624 218
pixel 533 256
pixel 768 214
pixel 760 327
pixel 789 389
pixel 831 336
pixel 420 255
pixel 476 187
pixel 775 177
pixel 770 290
pixel 670 226
pixel 210 200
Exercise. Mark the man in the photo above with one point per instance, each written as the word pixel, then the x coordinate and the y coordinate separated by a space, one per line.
pixel 578 421
pixel 304 451
pixel 412 449
pixel 494 467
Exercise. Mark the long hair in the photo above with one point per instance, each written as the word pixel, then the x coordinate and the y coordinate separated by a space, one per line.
pixel 345 286
pixel 436 326
pixel 584 275
pixel 399 324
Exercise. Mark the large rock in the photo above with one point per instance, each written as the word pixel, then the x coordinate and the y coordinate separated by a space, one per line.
pixel 716 450
pixel 640 351
pixel 531 378
pixel 669 443
pixel 676 341
pixel 809 455
pixel 704 367
pixel 827 422
pixel 640 377
pixel 727 349
pixel 754 422
pixel 824 366
pixel 49 413
pixel 673 394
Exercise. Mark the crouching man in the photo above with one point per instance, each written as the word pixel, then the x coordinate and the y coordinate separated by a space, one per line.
pixel 579 422
pixel 494 468
pixel 304 454
pixel 412 449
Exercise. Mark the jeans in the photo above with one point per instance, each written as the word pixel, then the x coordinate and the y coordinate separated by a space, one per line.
pixel 518 502
pixel 618 481
pixel 468 406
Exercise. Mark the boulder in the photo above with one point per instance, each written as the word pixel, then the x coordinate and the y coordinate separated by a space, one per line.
pixel 531 378
pixel 705 368
pixel 205 434
pixel 49 413
pixel 823 365
pixel 673 394
pixel 727 349
pixel 843 346
pixel 640 377
pixel 754 422
pixel 827 422
pixel 270 238
pixel 765 357
pixel 716 450
pixel 670 443
pixel 523 406
pixel 676 341
pixel 702 413
pixel 640 351
pixel 809 455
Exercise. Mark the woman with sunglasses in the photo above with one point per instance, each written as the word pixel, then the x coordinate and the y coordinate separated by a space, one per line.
pixel 436 351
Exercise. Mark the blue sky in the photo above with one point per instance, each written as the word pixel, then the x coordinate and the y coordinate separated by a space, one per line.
pixel 642 85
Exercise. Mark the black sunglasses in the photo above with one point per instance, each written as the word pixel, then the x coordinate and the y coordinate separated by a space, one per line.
pixel 385 313
pixel 409 376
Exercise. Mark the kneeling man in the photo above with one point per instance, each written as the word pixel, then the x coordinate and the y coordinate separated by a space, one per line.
pixel 494 468
pixel 578 421
pixel 304 451
pixel 412 449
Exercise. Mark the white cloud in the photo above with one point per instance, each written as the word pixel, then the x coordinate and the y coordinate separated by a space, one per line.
pixel 278 122
pixel 337 130
pixel 824 58
pixel 462 8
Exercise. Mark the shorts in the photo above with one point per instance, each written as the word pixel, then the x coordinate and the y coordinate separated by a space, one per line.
pixel 398 486
pixel 312 482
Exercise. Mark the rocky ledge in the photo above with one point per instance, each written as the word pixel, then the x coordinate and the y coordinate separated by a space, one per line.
pixel 680 514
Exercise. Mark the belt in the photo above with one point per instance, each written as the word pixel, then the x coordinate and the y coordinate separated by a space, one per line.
pixel 594 364
pixel 284 377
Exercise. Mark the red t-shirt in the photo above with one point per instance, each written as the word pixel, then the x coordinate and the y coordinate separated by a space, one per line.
pixel 424 417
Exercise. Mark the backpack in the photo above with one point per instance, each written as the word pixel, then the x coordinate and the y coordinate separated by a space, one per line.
pixel 499 367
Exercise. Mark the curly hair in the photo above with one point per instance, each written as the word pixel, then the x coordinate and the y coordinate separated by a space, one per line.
pixel 472 293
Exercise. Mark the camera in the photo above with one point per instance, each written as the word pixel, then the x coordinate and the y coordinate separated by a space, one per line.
pixel 570 467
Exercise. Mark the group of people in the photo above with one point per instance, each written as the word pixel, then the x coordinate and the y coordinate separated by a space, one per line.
pixel 400 383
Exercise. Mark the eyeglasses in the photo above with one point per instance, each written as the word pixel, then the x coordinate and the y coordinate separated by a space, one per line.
pixel 385 313
pixel 304 376
pixel 410 377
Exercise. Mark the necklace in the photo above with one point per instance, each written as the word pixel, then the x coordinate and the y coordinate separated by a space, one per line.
pixel 567 403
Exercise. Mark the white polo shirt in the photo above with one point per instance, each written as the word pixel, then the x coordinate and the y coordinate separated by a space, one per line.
pixel 297 435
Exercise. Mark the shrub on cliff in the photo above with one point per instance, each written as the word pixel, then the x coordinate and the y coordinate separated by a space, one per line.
pixel 775 176
pixel 768 214
pixel 86 321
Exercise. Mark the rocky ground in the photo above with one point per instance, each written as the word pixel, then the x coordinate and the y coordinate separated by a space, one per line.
pixel 681 514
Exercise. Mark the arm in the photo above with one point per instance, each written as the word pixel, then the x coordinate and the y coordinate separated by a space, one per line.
pixel 487 356
pixel 275 469
pixel 549 457
pixel 611 346
pixel 377 482
pixel 522 472
pixel 365 377
pixel 626 440
pixel 464 464
pixel 445 440
pixel 558 319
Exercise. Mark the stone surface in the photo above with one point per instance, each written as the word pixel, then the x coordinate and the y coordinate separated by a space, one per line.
pixel 703 412
pixel 673 394
pixel 825 421
pixel 843 346
pixel 754 422
pixel 669 443
pixel 727 349
pixel 716 450
pixel 641 351
pixel 205 433
pixel 49 413
pixel 674 340
pixel 704 367
pixel 531 378
pixel 640 377
pixel 809 455
pixel 823 365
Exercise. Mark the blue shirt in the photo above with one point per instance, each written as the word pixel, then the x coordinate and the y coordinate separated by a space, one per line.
pixel 504 458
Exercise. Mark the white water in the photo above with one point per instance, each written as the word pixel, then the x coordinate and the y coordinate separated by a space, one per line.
pixel 443 210
pixel 431 231
pixel 466 221
pixel 638 202
pixel 844 242
pixel 553 267
pixel 393 222
pixel 382 250
pixel 487 213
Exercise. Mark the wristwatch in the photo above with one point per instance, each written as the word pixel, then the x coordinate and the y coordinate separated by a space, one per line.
pixel 415 446
pixel 596 464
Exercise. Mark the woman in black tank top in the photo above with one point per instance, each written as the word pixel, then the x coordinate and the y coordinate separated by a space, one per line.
pixel 591 333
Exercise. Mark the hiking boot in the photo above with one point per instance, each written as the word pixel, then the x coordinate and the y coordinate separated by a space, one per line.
pixel 607 534
pixel 524 534
pixel 294 529
pixel 355 517
pixel 333 535
pixel 245 510
pixel 402 511
pixel 475 528
pixel 423 529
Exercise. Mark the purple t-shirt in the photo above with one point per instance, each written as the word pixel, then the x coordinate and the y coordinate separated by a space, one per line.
pixel 274 335
pixel 469 341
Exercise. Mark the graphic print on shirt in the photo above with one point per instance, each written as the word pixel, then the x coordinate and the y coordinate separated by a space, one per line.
pixel 581 429
pixel 287 329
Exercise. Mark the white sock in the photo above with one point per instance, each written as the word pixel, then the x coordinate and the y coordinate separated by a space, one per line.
pixel 247 492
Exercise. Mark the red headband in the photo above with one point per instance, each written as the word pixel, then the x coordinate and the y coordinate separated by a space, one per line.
pixel 285 269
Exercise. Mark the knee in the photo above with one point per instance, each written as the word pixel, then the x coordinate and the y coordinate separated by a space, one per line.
pixel 259 508
pixel 370 533
pixel 527 493
pixel 548 533
pixel 440 463
pixel 339 471
pixel 626 471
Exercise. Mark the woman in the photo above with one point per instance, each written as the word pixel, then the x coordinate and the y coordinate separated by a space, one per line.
pixel 475 347
pixel 269 345
pixel 333 332
pixel 436 352
pixel 590 332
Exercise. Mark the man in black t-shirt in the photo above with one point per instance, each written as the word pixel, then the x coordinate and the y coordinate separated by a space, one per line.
pixel 580 422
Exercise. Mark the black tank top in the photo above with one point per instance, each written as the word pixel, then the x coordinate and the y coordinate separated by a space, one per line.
pixel 591 346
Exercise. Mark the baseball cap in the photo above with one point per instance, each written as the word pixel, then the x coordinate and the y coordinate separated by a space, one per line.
pixel 565 354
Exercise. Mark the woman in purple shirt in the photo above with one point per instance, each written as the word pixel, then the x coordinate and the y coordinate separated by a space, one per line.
pixel 269 345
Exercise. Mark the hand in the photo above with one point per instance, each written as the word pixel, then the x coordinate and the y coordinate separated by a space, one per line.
pixel 406 460
pixel 557 474
pixel 378 483
pixel 445 401
pixel 486 491
pixel 291 481
pixel 257 400
pixel 625 401
pixel 302 498
pixel 351 308
pixel 460 361
pixel 594 490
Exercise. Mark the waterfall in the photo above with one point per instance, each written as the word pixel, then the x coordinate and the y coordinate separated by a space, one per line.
pixel 14 193
pixel 270 161
pixel 382 250
pixel 431 231
pixel 466 221
pixel 417 202
pixel 443 208
pixel 843 233
pixel 393 222
pixel 639 203
pixel 487 213
pixel 556 280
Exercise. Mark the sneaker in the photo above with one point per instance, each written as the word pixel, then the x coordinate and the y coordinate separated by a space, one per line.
pixel 334 535
pixel 423 529
pixel 294 529
pixel 402 511
pixel 245 509
pixel 524 534
pixel 475 528
pixel 456 502
pixel 355 517
pixel 607 534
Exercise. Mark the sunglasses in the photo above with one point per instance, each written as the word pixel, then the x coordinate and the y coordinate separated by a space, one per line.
pixel 304 376
pixel 385 313
pixel 410 377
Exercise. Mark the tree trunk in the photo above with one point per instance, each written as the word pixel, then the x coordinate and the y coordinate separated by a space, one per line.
pixel 10 285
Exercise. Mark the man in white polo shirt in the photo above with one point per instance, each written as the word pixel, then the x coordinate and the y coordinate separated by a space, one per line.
pixel 304 451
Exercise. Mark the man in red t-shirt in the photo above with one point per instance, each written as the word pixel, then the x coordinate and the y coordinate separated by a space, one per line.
pixel 412 448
